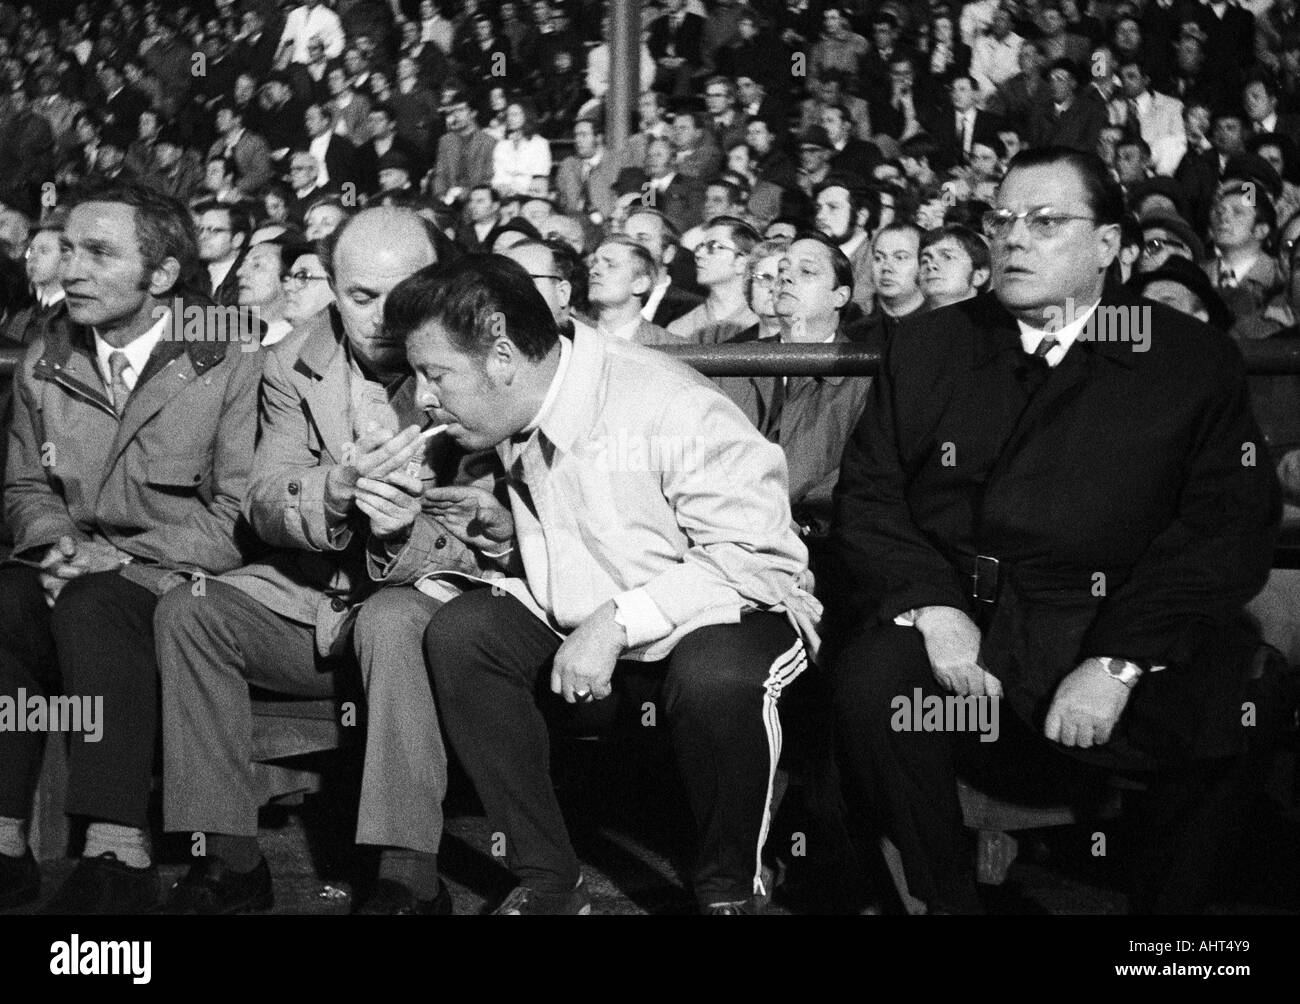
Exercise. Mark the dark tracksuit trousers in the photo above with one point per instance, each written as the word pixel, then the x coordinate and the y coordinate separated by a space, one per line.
pixel 491 663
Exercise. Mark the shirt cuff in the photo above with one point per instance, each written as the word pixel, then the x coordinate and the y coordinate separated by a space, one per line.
pixel 641 618
pixel 906 619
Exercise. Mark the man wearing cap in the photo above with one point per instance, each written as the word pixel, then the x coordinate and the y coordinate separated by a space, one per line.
pixel 1182 284
pixel 815 151
pixel 1166 235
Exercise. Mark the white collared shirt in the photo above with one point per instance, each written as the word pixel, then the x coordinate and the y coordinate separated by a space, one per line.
pixel 51 299
pixel 1065 336
pixel 656 297
pixel 218 270
pixel 552 392
pixel 318 148
pixel 137 353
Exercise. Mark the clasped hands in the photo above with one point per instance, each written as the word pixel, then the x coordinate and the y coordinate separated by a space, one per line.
pixel 70 558
pixel 1085 708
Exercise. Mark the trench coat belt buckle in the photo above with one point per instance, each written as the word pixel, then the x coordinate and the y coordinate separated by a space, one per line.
pixel 984 575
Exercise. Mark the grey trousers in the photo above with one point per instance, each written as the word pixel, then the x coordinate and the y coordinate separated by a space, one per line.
pixel 211 647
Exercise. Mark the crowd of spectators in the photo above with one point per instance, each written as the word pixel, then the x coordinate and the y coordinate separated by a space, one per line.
pixel 795 171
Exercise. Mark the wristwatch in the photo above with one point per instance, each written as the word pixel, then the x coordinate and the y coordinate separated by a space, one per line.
pixel 1123 670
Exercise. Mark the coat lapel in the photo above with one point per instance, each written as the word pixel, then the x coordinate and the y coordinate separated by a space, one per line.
pixel 322 366
pixel 173 365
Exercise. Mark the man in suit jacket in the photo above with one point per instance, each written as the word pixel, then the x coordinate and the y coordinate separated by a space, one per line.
pixel 255 47
pixel 1259 98
pixel 674 42
pixel 334 491
pixel 1069 119
pixel 464 153
pixel 1157 117
pixel 659 185
pixel 341 163
pixel 247 149
pixel 668 300
pixel 129 455
pixel 1105 617
pixel 962 124
pixel 585 179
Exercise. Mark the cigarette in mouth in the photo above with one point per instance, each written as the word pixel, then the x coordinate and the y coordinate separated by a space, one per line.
pixel 413 465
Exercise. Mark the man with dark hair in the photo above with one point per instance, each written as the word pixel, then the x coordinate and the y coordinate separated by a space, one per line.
pixel 682 575
pixel 223 232
pixel 720 267
pixel 1108 621
pixel 464 152
pixel 481 216
pixel 847 213
pixel 1067 119
pixel 849 155
pixel 247 149
pixel 811 418
pixel 334 490
pixel 129 454
pixel 585 179
pixel 336 158
pixel 954 264
pixel 1242 220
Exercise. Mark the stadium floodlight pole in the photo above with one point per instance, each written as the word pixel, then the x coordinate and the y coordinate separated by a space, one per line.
pixel 624 70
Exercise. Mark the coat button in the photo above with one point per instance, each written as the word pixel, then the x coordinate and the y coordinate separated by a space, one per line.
pixel 338 605
pixel 440 543
pixel 293 487
pixel 198 478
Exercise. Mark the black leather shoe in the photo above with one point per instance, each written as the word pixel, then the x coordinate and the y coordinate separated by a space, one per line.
pixel 20 880
pixel 210 888
pixel 104 886
pixel 389 898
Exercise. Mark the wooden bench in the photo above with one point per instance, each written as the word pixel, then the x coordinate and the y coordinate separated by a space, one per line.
pixel 283 730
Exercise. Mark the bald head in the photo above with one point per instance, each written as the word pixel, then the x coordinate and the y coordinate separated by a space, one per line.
pixel 371 253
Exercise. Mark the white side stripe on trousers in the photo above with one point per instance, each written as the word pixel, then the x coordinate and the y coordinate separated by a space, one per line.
pixel 787 666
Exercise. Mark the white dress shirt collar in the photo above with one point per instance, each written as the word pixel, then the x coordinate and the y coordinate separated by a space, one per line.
pixel 552 392
pixel 137 352
pixel 1065 336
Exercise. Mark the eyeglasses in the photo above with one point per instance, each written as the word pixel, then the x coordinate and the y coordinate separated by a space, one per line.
pixel 713 247
pixel 764 280
pixel 297 280
pixel 1157 244
pixel 213 230
pixel 1041 221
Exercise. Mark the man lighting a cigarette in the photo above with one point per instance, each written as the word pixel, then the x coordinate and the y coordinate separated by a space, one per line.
pixel 657 562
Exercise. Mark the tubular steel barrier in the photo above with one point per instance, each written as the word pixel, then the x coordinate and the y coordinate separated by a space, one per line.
pixel 1263 357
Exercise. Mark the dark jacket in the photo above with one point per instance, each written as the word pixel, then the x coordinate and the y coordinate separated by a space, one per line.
pixel 1138 537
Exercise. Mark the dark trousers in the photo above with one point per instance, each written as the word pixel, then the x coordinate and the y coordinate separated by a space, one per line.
pixel 97 641
pixel 491 663
pixel 1184 826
